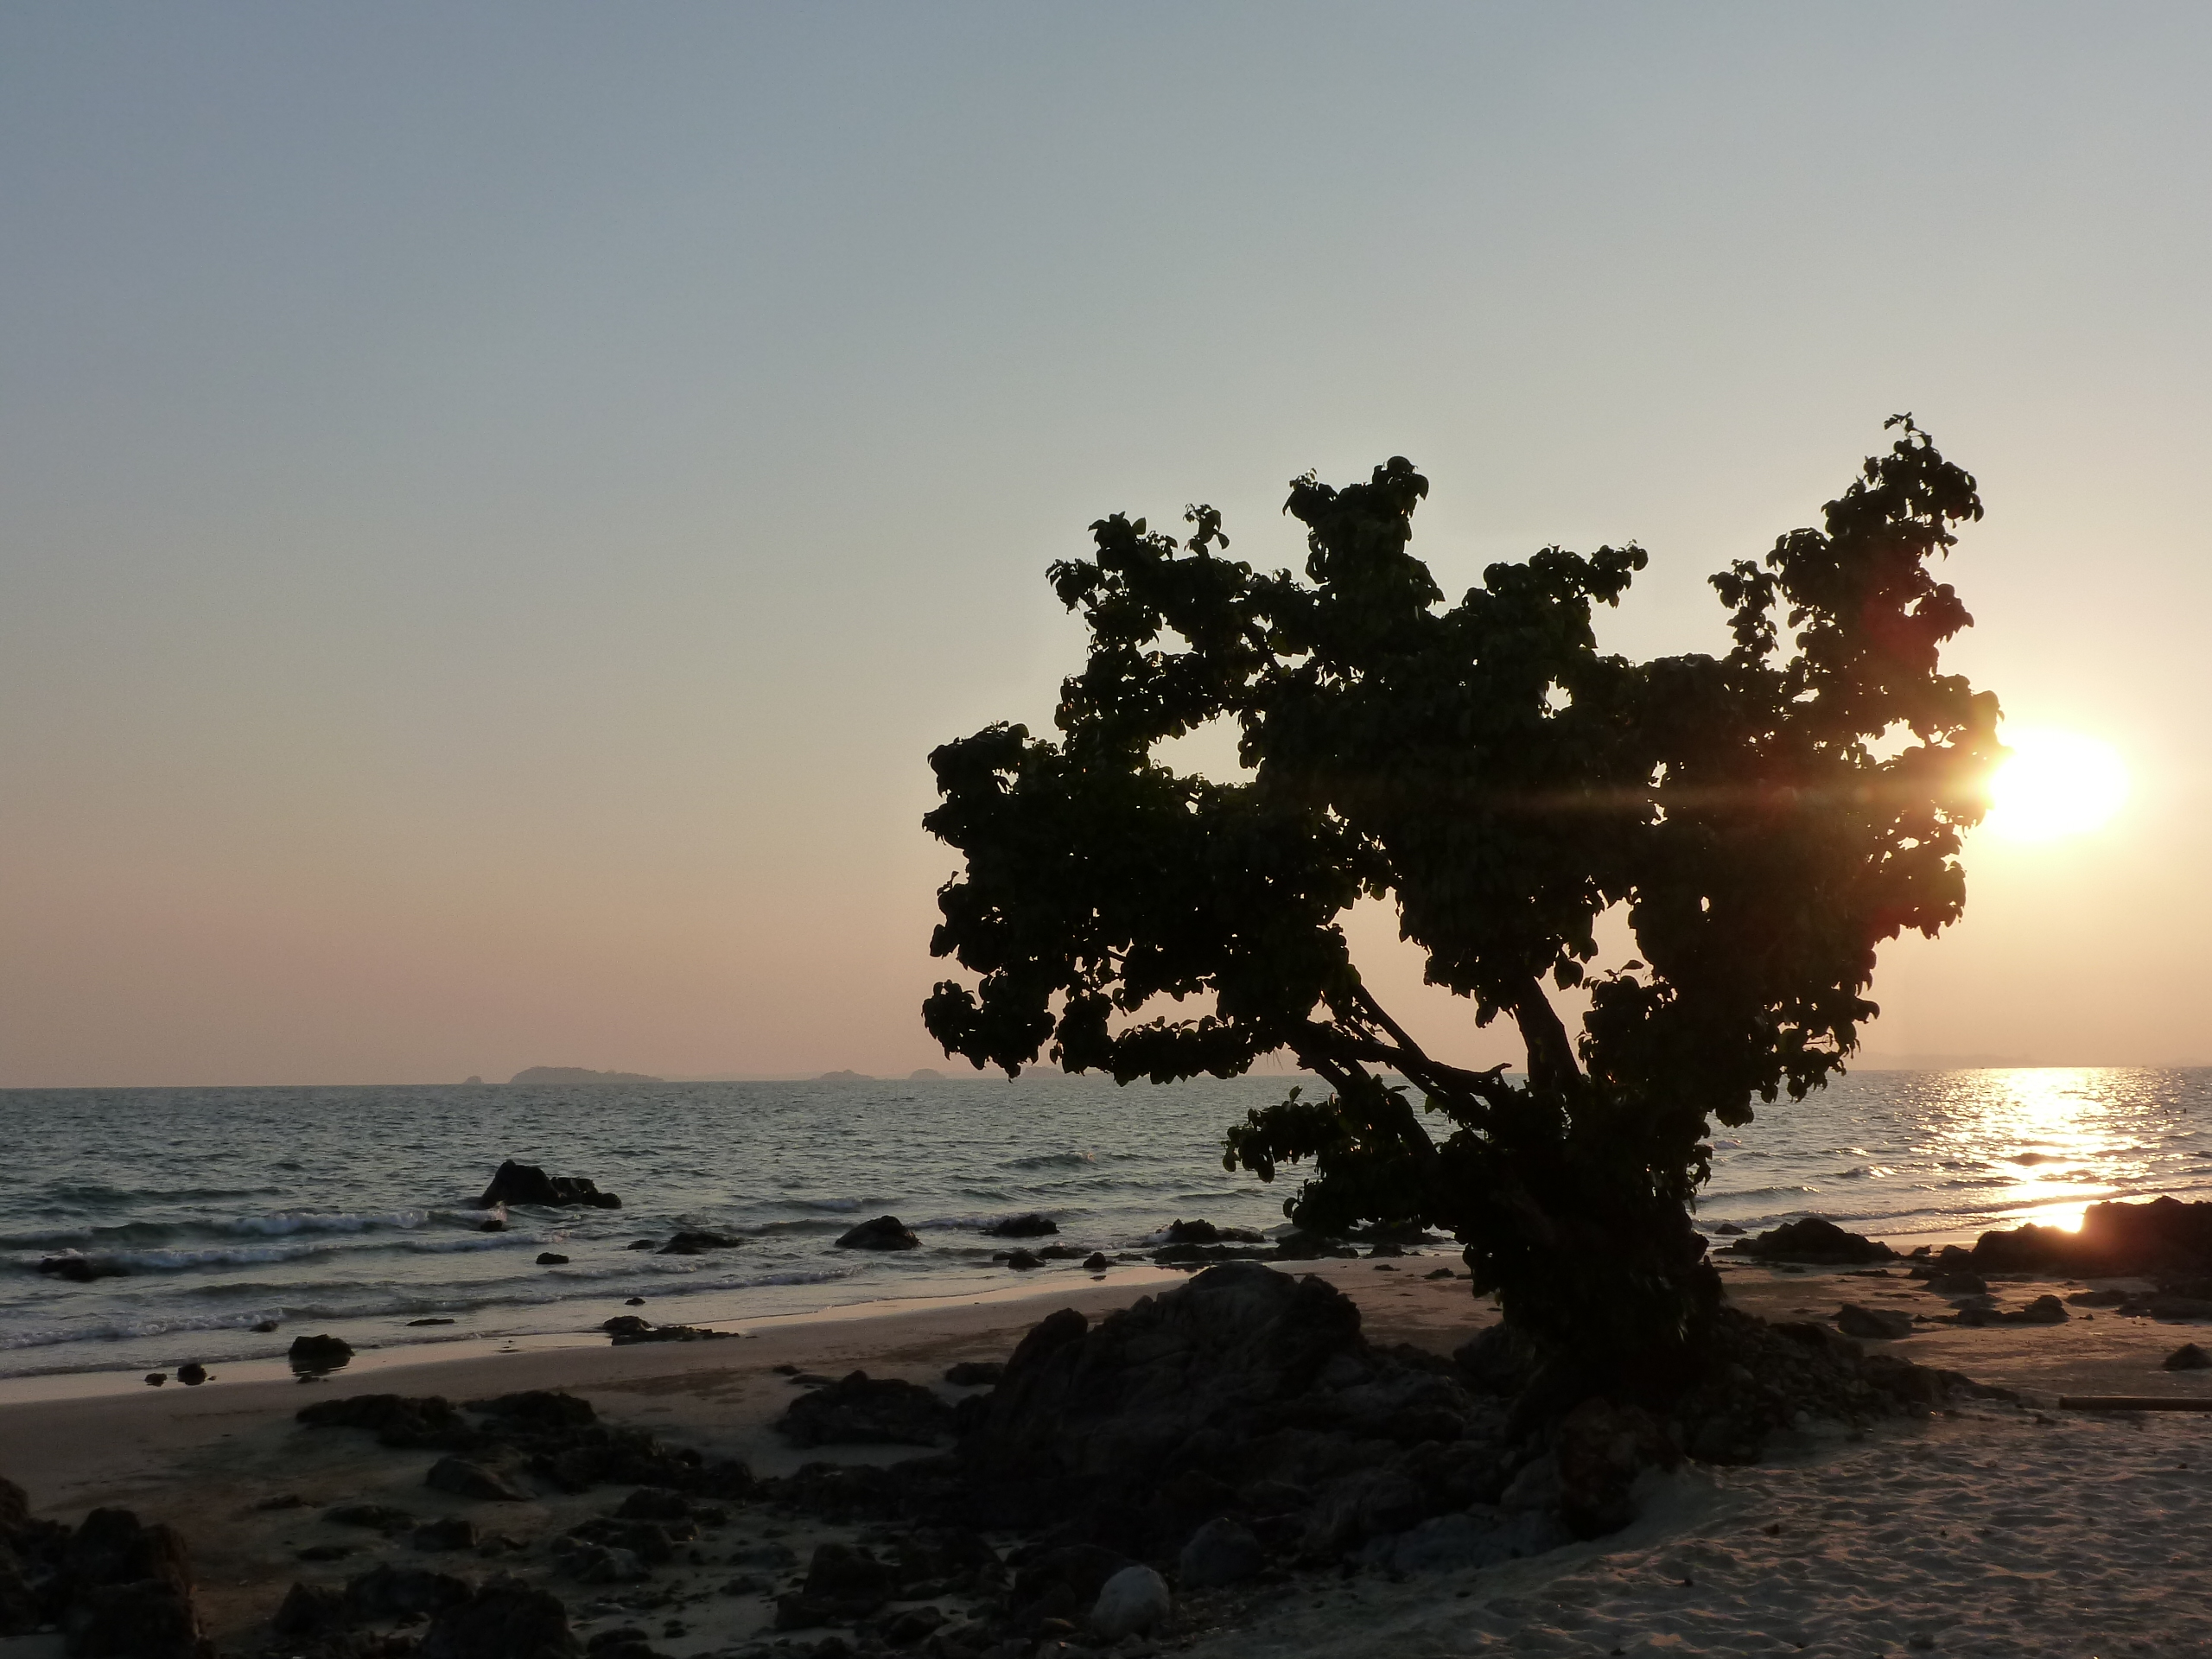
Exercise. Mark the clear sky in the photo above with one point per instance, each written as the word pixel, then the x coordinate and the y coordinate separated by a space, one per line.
pixel 498 501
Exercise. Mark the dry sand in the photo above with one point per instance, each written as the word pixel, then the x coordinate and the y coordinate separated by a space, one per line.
pixel 2001 1530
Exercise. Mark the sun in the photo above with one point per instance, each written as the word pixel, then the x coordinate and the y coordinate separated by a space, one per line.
pixel 2056 783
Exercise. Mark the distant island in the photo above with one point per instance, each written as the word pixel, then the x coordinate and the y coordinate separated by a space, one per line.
pixel 844 1077
pixel 925 1074
pixel 572 1074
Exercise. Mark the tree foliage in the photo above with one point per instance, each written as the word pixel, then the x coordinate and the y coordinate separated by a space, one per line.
pixel 1766 818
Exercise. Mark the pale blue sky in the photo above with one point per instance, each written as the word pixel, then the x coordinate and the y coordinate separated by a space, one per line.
pixel 497 502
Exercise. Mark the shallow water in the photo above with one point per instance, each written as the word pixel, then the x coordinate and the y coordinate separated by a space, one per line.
pixel 346 1210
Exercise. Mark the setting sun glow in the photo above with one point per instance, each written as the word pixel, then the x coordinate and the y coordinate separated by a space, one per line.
pixel 2056 784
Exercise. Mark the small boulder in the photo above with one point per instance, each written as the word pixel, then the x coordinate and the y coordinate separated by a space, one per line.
pixel 1095 1263
pixel 1877 1323
pixel 1957 1282
pixel 516 1183
pixel 191 1374
pixel 459 1477
pixel 1134 1602
pixel 884 1233
pixel 2187 1358
pixel 551 1258
pixel 505 1619
pixel 698 1243
pixel 155 1379
pixel 80 1269
pixel 1817 1240
pixel 1032 1225
pixel 317 1354
pixel 2044 1310
pixel 309 1610
pixel 1023 1262
pixel 976 1373
pixel 1224 1551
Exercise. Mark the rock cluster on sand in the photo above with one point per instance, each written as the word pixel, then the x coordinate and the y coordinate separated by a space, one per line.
pixel 516 1183
pixel 118 1589
pixel 2162 1236
pixel 1815 1240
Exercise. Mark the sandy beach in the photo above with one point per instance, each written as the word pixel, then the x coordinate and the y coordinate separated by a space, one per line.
pixel 1998 1530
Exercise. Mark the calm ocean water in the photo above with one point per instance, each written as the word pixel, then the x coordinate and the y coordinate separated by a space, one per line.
pixel 345 1210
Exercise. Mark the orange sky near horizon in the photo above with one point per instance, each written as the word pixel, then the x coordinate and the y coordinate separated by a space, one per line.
pixel 496 505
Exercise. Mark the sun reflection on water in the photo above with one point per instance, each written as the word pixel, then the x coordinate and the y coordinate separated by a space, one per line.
pixel 1931 1155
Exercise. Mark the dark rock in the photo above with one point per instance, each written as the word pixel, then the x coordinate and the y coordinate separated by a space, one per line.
pixel 1134 1602
pixel 625 1642
pixel 2187 1358
pixel 628 1328
pixel 1032 1225
pixel 2114 1239
pixel 1957 1283
pixel 1095 1263
pixel 1224 1551
pixel 309 1610
pixel 495 1225
pixel 411 1323
pixel 528 1184
pixel 1386 1249
pixel 2044 1310
pixel 651 1541
pixel 262 1327
pixel 1817 1240
pixel 449 1532
pixel 884 1233
pixel 81 1269
pixel 1728 1229
pixel 404 1422
pixel 388 1592
pixel 2098 1297
pixel 155 1379
pixel 641 1244
pixel 377 1517
pixel 862 1410
pixel 126 1591
pixel 699 1243
pixel 634 1301
pixel 914 1627
pixel 551 1258
pixel 458 1478
pixel 1022 1261
pixel 654 1503
pixel 1879 1323
pixel 1204 1232
pixel 844 1582
pixel 1497 1360
pixel 191 1374
pixel 973 1373
pixel 1601 1448
pixel 143 1620
pixel 317 1353
pixel 505 1619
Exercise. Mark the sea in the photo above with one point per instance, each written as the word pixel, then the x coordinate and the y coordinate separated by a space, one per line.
pixel 212 1212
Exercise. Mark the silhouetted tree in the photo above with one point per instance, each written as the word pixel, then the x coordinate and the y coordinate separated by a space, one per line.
pixel 1767 818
